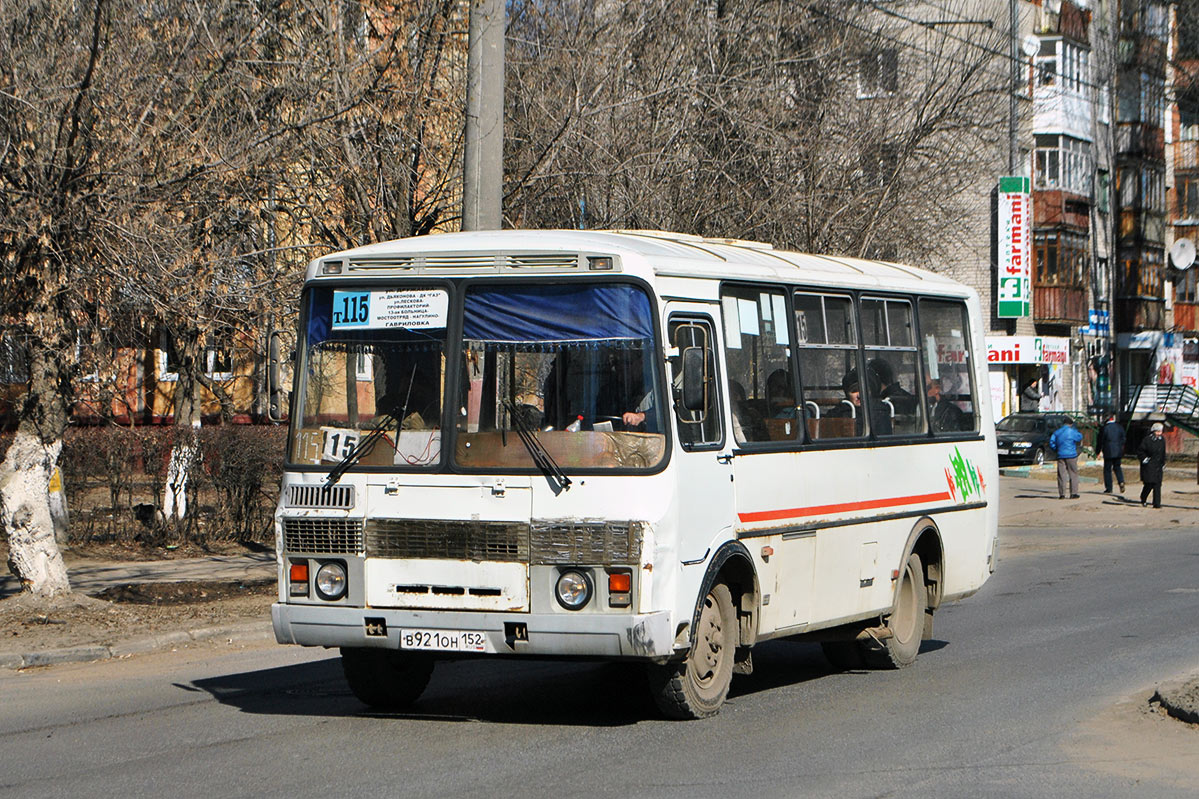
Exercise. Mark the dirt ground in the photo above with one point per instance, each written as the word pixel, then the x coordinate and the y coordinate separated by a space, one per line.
pixel 130 611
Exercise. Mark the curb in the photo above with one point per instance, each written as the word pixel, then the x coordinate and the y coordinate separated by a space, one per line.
pixel 1180 700
pixel 134 646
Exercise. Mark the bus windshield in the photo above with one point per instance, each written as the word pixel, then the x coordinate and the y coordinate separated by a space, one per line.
pixel 370 356
pixel 572 362
pixel 571 365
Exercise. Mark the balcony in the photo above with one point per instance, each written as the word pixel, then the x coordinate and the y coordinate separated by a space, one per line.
pixel 1141 52
pixel 1140 140
pixel 1186 317
pixel 1057 305
pixel 1054 207
pixel 1186 156
pixel 1139 313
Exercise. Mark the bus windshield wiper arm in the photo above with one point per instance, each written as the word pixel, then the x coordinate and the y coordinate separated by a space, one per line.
pixel 361 449
pixel 537 450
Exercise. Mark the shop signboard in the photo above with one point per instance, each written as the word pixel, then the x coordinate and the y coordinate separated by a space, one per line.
pixel 1027 350
pixel 1015 249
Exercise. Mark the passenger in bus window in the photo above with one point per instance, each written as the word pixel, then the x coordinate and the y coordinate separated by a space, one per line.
pixel 943 415
pixel 902 400
pixel 780 394
pixel 853 405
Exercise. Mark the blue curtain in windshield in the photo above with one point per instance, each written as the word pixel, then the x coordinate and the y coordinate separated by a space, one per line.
pixel 557 313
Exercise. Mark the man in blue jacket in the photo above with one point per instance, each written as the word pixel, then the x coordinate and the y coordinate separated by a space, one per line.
pixel 1064 442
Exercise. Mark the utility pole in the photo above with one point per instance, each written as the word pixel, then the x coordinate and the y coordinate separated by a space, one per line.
pixel 483 167
pixel 1013 145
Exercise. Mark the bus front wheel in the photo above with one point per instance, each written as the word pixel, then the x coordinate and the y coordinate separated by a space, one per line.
pixel 696 687
pixel 906 622
pixel 385 678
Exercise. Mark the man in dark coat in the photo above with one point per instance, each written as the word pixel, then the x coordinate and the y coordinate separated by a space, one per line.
pixel 1111 444
pixel 1152 453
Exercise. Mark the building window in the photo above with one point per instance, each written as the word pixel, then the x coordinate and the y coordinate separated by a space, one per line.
pixel 14 360
pixel 1186 287
pixel 1188 119
pixel 1062 162
pixel 1141 275
pixel 1187 197
pixel 1064 65
pixel 1061 258
pixel 168 357
pixel 878 73
pixel 218 356
pixel 1153 191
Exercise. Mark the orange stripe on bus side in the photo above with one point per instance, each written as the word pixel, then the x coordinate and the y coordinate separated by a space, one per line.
pixel 840 507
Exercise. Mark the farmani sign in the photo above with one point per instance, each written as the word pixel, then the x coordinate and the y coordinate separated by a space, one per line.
pixel 1027 349
pixel 1015 248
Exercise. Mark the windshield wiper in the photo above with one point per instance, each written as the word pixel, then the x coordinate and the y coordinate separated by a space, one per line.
pixel 360 450
pixel 545 462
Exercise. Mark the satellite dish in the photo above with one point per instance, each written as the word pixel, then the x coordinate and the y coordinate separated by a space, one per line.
pixel 1031 45
pixel 1182 254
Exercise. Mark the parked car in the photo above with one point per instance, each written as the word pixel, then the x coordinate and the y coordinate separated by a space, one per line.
pixel 1024 437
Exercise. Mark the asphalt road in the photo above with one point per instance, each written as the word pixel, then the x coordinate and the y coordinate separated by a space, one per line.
pixel 1033 688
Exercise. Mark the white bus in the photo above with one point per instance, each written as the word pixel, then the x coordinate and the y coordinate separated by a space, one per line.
pixel 628 445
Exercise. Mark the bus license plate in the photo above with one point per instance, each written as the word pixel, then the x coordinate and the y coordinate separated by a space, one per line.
pixel 444 640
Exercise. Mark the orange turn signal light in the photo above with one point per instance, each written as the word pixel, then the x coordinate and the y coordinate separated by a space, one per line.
pixel 619 583
pixel 299 572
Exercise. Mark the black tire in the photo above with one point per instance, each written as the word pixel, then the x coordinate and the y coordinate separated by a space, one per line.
pixel 906 622
pixel 696 687
pixel 1038 456
pixel 843 655
pixel 385 678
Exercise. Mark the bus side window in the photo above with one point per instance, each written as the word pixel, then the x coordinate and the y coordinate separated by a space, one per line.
pixel 949 388
pixel 758 359
pixel 891 361
pixel 700 427
pixel 829 369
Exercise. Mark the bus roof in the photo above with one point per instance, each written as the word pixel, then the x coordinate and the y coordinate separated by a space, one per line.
pixel 664 253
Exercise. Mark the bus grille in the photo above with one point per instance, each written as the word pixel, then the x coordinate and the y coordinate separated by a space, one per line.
pixel 602 542
pixel 323 536
pixel 455 540
pixel 548 542
pixel 315 495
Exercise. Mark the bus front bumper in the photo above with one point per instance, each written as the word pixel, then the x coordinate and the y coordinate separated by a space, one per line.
pixel 645 635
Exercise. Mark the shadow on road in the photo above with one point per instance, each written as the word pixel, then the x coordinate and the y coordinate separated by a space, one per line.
pixel 506 692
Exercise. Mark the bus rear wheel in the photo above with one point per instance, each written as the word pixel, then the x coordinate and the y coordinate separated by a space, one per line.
pixel 905 625
pixel 384 678
pixel 696 687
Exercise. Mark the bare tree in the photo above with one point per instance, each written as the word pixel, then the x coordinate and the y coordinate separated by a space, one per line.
pixel 828 126
pixel 169 163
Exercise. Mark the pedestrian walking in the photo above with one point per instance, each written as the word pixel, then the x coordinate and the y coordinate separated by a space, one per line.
pixel 1064 442
pixel 1152 453
pixel 1111 444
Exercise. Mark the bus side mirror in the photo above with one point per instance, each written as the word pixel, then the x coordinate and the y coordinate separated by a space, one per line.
pixel 695 380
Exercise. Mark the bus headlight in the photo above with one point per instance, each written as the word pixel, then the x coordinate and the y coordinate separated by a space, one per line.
pixel 331 581
pixel 574 589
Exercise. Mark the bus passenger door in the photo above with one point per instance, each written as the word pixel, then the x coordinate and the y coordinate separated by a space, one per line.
pixel 702 460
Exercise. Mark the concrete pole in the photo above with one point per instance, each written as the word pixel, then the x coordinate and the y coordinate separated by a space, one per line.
pixel 1013 144
pixel 483 167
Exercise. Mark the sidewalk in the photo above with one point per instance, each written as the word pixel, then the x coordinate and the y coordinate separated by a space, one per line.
pixel 1028 498
pixel 92 576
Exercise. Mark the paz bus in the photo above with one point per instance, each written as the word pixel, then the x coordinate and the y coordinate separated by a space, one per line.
pixel 630 445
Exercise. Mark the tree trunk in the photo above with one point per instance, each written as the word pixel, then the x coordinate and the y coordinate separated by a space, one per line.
pixel 25 510
pixel 187 423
